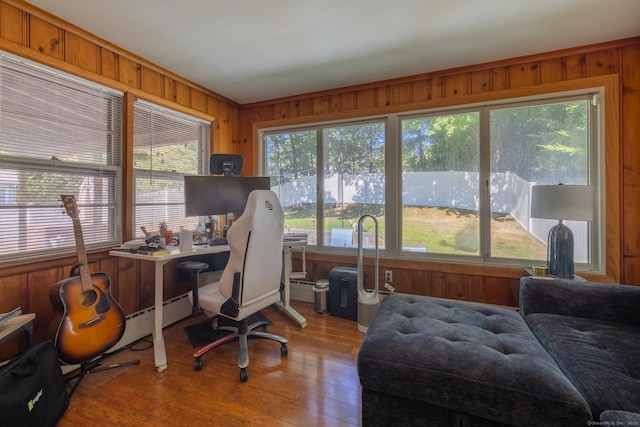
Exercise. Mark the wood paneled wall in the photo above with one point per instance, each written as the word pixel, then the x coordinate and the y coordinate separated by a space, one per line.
pixel 613 64
pixel 31 33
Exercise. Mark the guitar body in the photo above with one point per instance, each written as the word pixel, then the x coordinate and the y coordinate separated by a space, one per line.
pixel 92 321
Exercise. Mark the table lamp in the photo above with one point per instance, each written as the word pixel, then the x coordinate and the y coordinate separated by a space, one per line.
pixel 561 202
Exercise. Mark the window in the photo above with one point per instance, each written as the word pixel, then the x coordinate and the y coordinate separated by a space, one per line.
pixel 292 164
pixel 352 184
pixel 536 143
pixel 59 135
pixel 445 184
pixel 440 184
pixel 167 145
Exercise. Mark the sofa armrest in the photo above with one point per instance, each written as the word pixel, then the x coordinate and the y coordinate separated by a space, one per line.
pixel 613 303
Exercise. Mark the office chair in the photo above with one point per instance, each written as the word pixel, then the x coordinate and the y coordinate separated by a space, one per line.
pixel 251 278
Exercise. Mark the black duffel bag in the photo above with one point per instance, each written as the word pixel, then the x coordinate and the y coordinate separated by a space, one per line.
pixel 32 388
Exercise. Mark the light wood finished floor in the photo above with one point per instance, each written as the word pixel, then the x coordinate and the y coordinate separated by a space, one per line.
pixel 315 385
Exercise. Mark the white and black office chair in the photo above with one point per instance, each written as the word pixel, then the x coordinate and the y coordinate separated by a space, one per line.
pixel 251 278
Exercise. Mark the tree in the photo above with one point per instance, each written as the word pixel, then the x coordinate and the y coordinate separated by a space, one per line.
pixel 441 143
pixel 291 155
pixel 541 143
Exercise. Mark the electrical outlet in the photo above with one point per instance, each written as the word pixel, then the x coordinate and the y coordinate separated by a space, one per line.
pixel 388 276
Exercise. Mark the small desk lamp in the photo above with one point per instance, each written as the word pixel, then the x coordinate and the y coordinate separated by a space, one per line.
pixel 561 202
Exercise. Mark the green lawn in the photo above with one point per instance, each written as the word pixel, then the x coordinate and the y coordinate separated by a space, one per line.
pixel 437 230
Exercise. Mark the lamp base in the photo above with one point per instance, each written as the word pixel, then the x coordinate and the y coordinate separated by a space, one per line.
pixel 560 251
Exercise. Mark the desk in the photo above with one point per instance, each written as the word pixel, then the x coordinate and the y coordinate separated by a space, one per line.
pixel 159 352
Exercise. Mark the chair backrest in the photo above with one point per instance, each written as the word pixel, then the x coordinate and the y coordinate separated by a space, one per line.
pixel 255 240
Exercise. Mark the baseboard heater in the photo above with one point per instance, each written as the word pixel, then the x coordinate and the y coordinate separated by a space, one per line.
pixel 140 323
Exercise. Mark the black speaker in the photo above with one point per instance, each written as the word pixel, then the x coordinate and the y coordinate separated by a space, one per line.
pixel 225 164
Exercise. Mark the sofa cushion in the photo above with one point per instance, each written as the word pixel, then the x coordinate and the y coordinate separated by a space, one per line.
pixel 472 358
pixel 601 358
pixel 620 418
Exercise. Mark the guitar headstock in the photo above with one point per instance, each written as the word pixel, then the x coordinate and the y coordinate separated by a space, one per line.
pixel 69 203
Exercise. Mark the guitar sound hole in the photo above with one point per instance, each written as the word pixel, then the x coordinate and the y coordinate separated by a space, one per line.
pixel 89 297
pixel 96 295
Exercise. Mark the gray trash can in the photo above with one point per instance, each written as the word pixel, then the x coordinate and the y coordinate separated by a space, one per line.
pixel 321 289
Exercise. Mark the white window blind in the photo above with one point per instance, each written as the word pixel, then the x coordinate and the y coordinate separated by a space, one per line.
pixel 167 146
pixel 58 135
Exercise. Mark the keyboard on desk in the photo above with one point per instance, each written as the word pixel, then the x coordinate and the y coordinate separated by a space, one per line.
pixel 217 242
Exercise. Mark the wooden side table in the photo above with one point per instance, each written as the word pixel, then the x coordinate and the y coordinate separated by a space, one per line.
pixel 528 272
pixel 17 324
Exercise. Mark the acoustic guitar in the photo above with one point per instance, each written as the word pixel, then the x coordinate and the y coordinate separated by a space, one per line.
pixel 91 320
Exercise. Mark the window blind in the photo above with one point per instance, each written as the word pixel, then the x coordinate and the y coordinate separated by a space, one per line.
pixel 59 134
pixel 167 145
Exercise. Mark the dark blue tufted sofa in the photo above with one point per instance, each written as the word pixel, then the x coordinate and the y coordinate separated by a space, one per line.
pixel 570 356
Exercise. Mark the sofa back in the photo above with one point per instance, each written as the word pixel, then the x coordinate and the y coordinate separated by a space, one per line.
pixel 591 300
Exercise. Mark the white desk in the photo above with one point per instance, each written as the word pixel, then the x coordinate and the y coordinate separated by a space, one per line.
pixel 159 352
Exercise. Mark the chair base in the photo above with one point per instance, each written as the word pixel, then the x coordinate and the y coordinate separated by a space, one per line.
pixel 242 332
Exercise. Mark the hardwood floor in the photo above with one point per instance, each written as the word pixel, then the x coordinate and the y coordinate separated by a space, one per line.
pixel 316 384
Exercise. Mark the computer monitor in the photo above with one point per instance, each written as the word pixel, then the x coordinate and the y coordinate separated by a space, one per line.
pixel 220 195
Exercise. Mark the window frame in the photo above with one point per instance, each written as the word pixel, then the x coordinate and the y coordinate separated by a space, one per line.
pixel 393 202
pixel 110 150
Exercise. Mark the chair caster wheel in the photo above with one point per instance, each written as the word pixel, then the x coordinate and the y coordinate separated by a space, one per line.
pixel 197 364
pixel 244 376
pixel 284 350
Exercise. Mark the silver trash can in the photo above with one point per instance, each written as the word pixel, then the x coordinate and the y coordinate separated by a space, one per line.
pixel 321 289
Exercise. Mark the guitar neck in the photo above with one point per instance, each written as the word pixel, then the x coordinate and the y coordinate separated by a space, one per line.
pixel 85 275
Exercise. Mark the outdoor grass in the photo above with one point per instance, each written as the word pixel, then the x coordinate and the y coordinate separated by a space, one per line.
pixel 431 229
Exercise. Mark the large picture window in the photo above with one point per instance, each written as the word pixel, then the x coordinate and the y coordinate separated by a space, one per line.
pixel 59 135
pixel 463 178
pixel 167 145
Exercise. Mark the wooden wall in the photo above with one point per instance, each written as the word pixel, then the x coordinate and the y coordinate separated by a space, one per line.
pixel 33 34
pixel 614 65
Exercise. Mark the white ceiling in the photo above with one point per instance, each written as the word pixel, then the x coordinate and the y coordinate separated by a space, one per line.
pixel 253 50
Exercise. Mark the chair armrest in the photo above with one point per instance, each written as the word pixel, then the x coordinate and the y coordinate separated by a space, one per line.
pixel 614 303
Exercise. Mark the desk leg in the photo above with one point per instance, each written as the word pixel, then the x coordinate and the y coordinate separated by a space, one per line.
pixel 28 328
pixel 159 352
pixel 284 306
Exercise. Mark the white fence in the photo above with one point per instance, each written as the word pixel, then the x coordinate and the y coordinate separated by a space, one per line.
pixel 510 195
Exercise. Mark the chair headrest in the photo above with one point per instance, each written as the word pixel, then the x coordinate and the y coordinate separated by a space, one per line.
pixel 262 199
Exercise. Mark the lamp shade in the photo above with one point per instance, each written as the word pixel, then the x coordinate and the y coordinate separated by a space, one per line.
pixel 564 202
